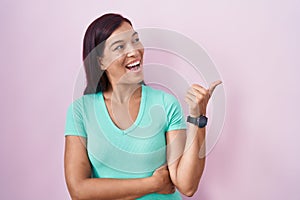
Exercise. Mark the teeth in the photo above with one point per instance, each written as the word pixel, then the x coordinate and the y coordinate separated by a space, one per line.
pixel 133 64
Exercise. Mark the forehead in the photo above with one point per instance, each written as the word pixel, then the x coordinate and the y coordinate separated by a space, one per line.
pixel 122 32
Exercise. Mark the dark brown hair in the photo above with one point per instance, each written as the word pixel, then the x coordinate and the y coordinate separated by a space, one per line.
pixel 93 44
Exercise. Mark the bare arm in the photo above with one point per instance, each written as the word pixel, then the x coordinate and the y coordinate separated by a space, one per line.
pixel 186 149
pixel 185 164
pixel 82 186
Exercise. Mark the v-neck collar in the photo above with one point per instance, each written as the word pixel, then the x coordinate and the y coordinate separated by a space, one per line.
pixel 112 124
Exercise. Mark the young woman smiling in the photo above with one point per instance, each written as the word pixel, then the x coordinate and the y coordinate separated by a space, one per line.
pixel 125 140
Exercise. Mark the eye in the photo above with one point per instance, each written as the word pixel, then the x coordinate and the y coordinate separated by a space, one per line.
pixel 119 47
pixel 136 40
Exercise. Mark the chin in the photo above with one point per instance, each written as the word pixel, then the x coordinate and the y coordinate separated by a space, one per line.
pixel 136 80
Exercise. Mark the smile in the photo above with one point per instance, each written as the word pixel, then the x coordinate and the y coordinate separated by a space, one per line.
pixel 134 66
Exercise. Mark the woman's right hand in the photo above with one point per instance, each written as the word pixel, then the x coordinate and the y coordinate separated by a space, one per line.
pixel 163 181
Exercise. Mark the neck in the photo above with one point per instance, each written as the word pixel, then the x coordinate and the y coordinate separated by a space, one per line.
pixel 121 93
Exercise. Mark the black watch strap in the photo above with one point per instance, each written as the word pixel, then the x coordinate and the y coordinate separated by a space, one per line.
pixel 200 121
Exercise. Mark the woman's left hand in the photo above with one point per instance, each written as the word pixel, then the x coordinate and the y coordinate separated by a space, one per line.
pixel 197 98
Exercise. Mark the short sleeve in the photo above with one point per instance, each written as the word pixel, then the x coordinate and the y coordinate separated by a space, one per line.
pixel 175 115
pixel 74 121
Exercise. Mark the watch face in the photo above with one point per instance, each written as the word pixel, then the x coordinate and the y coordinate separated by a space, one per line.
pixel 202 121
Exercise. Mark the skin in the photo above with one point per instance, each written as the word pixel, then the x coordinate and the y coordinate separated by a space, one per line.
pixel 184 168
pixel 186 149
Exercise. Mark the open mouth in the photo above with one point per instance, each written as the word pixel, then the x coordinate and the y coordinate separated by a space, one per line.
pixel 134 66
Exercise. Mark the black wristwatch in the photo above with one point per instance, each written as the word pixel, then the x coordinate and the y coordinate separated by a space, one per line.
pixel 200 121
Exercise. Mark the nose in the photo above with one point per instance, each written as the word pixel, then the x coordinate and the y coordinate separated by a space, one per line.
pixel 132 51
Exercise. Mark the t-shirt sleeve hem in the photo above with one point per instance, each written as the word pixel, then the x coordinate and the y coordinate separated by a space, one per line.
pixel 75 134
pixel 179 127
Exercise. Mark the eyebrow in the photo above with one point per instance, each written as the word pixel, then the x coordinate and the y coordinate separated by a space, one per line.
pixel 118 41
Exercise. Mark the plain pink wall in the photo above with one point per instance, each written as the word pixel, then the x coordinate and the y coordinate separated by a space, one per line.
pixel 255 45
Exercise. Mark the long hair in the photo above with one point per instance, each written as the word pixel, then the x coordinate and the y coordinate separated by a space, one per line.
pixel 93 45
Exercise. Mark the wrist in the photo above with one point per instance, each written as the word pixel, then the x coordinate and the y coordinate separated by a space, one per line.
pixel 151 182
pixel 200 121
pixel 194 115
pixel 197 113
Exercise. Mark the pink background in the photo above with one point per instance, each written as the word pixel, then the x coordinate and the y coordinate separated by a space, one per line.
pixel 254 45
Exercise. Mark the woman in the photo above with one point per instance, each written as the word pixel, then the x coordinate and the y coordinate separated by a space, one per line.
pixel 125 140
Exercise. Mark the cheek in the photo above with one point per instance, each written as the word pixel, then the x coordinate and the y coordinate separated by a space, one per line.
pixel 117 66
pixel 141 50
pixel 113 61
pixel 120 61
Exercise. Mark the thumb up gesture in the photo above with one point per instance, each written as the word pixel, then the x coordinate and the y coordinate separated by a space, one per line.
pixel 197 98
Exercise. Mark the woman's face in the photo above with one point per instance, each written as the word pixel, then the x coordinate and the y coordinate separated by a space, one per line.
pixel 123 56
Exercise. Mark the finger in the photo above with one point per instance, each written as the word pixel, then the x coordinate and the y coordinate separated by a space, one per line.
pixel 199 88
pixel 191 97
pixel 173 189
pixel 197 96
pixel 197 93
pixel 190 93
pixel 213 86
pixel 164 166
pixel 189 100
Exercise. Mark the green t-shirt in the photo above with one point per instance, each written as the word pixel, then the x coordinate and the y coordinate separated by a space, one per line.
pixel 131 153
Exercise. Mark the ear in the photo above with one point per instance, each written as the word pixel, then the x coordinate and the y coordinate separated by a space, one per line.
pixel 100 63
